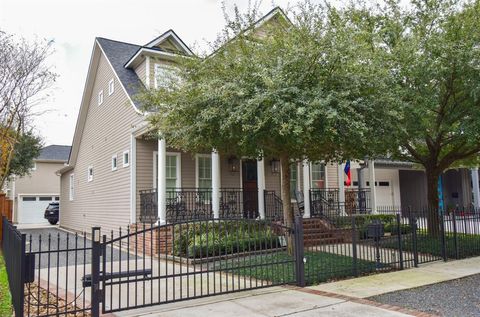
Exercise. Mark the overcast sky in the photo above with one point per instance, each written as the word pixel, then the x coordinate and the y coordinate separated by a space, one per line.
pixel 74 24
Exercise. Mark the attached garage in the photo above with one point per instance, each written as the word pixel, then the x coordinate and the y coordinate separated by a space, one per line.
pixel 32 207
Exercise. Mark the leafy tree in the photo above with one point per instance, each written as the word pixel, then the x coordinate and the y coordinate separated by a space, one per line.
pixel 290 89
pixel 28 148
pixel 25 77
pixel 430 51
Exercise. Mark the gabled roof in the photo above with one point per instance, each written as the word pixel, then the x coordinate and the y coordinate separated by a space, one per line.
pixel 170 34
pixel 118 53
pixel 54 153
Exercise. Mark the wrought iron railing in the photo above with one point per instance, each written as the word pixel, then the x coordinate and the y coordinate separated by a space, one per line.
pixel 238 203
pixel 273 206
pixel 325 202
pixel 148 206
pixel 189 204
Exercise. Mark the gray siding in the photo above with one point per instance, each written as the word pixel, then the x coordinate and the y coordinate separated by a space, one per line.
pixel 106 200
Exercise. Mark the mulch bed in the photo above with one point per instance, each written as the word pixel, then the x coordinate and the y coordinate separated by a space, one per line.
pixel 48 304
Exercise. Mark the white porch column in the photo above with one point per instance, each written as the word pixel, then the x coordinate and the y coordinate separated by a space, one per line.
pixel 306 188
pixel 133 178
pixel 215 184
pixel 475 188
pixel 261 187
pixel 162 181
pixel 341 188
pixel 373 191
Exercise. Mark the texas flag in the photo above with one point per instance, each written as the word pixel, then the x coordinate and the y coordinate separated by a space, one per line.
pixel 348 181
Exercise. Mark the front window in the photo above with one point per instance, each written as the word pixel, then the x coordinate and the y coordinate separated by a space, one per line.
pixel 165 76
pixel 204 171
pixel 318 175
pixel 171 172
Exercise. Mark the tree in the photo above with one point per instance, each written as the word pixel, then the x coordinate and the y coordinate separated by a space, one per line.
pixel 25 76
pixel 431 52
pixel 291 90
pixel 28 148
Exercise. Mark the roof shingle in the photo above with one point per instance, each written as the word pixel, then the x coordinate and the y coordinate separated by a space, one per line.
pixel 55 153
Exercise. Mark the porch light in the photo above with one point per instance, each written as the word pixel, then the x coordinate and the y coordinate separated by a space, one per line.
pixel 275 166
pixel 233 164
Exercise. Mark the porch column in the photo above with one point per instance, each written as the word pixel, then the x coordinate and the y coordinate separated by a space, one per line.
pixel 341 188
pixel 371 179
pixel 475 188
pixel 261 187
pixel 215 184
pixel 162 181
pixel 306 188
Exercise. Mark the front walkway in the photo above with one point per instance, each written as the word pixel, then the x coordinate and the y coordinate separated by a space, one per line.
pixel 277 301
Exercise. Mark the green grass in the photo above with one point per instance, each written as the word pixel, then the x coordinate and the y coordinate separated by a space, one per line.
pixel 5 298
pixel 279 268
pixel 468 245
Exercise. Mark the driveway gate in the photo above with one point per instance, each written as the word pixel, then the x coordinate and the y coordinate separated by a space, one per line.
pixel 151 264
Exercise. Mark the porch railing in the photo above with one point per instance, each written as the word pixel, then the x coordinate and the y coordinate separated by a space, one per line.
pixel 196 203
pixel 273 206
pixel 325 202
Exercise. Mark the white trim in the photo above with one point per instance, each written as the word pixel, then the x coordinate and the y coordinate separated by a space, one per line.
pixel 71 187
pixel 324 172
pixel 144 50
pixel 166 35
pixel 178 155
pixel 127 152
pixel 196 167
pixel 147 72
pixel 114 159
pixel 133 179
pixel 111 87
pixel 118 79
pixel 90 175
pixel 100 97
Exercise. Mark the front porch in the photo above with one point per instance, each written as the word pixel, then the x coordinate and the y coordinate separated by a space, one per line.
pixel 174 186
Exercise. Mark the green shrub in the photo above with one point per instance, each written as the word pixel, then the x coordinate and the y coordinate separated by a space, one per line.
pixel 204 239
pixel 363 220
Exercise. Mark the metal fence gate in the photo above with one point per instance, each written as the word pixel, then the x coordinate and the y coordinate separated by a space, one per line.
pixel 150 264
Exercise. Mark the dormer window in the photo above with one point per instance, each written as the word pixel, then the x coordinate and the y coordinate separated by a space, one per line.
pixel 100 97
pixel 165 76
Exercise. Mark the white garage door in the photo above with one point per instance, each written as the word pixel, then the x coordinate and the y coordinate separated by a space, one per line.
pixel 32 208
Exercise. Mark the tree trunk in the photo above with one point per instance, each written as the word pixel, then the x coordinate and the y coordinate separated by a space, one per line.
pixel 433 219
pixel 286 200
pixel 285 190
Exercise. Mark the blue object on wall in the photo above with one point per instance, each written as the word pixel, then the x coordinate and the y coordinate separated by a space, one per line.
pixel 441 204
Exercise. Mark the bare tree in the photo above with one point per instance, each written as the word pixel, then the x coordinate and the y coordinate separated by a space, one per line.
pixel 25 77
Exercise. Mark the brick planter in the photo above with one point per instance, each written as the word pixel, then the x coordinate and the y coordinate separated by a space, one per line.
pixel 153 241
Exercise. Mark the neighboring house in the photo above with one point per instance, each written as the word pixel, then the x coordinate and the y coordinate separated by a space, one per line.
pixel 32 193
pixel 112 178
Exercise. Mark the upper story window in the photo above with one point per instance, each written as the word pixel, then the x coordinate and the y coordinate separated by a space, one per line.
pixel 71 188
pixel 114 162
pixel 90 174
pixel 126 158
pixel 111 87
pixel 165 76
pixel 100 97
pixel 34 167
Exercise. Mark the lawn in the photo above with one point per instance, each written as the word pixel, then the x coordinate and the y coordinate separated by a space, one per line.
pixel 278 267
pixel 468 245
pixel 5 299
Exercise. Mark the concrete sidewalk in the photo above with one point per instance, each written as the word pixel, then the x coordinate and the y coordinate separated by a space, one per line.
pixel 426 274
pixel 277 301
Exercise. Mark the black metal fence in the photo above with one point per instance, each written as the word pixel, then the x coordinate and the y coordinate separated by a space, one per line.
pixel 147 264
pixel 14 250
pixel 273 206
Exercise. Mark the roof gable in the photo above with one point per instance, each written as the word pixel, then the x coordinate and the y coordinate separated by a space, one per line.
pixel 170 42
pixel 54 153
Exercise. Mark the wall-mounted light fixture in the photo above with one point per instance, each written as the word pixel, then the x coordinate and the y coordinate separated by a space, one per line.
pixel 233 164
pixel 275 166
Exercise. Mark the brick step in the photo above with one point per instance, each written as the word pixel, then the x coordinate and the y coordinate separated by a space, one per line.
pixel 313 242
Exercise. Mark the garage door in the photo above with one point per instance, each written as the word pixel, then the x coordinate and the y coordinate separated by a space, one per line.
pixel 32 208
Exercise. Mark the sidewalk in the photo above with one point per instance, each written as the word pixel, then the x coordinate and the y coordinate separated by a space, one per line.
pixel 343 298
pixel 426 274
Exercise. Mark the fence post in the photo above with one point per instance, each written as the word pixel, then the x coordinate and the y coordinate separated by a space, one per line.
pixel 96 253
pixel 299 251
pixel 443 237
pixel 413 224
pixel 455 234
pixel 354 246
pixel 399 238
